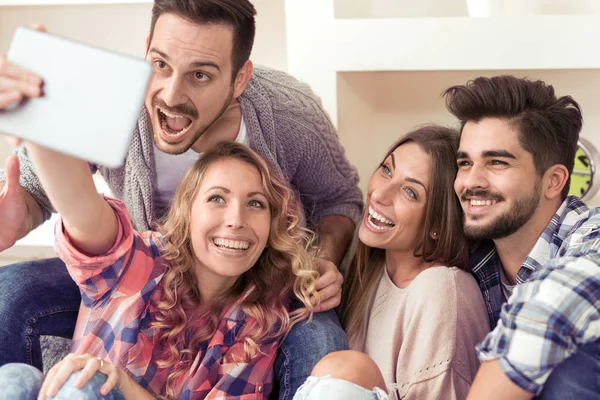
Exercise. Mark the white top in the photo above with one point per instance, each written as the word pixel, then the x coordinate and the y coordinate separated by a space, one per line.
pixel 507 288
pixel 170 169
pixel 423 337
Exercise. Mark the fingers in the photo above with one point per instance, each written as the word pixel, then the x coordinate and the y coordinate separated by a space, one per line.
pixel 330 297
pixel 39 27
pixel 13 141
pixel 10 98
pixel 70 364
pixel 329 273
pixel 16 83
pixel 13 85
pixel 328 286
pixel 327 279
pixel 88 365
pixel 11 169
pixel 91 367
pixel 329 304
pixel 111 381
pixel 9 70
pixel 48 379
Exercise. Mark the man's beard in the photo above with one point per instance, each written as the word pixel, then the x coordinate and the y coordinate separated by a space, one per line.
pixel 192 113
pixel 509 222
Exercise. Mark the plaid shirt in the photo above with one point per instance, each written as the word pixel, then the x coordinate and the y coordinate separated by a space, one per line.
pixel 119 290
pixel 555 308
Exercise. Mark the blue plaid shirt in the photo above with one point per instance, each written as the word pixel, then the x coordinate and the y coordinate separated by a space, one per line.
pixel 555 307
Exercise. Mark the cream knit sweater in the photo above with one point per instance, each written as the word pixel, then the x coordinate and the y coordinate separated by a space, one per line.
pixel 423 337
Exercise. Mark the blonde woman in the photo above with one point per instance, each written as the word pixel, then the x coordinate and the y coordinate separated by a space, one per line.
pixel 193 311
pixel 409 302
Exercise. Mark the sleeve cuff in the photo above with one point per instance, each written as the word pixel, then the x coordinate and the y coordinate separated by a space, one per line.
pixel 73 257
pixel 510 371
pixel 351 211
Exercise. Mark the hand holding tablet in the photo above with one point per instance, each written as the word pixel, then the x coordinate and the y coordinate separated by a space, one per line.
pixel 91 97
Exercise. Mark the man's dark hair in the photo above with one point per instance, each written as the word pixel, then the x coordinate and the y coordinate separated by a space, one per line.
pixel 237 14
pixel 548 126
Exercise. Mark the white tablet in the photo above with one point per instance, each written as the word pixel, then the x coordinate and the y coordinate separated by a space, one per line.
pixel 92 97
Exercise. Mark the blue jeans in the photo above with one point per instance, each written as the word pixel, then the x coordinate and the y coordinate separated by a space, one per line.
pixel 23 382
pixel 326 387
pixel 36 298
pixel 305 345
pixel 40 298
pixel 577 378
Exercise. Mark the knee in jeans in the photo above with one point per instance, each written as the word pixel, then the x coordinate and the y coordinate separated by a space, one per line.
pixel 19 380
pixel 90 391
pixel 323 334
pixel 19 370
pixel 352 366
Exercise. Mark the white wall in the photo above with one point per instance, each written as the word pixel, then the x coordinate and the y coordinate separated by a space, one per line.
pixel 456 8
pixel 124 27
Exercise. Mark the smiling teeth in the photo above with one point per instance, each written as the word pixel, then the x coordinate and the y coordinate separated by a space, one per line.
pixel 232 244
pixel 171 115
pixel 483 202
pixel 378 217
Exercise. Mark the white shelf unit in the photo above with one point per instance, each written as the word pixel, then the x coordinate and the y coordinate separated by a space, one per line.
pixel 20 3
pixel 319 45
pixel 379 78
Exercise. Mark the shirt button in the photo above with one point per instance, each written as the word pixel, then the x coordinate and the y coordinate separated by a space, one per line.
pixel 261 389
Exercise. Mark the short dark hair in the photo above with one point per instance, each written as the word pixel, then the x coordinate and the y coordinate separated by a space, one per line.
pixel 238 14
pixel 548 126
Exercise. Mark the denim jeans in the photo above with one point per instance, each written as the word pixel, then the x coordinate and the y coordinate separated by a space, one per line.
pixel 40 298
pixel 23 382
pixel 305 345
pixel 577 378
pixel 36 298
pixel 326 387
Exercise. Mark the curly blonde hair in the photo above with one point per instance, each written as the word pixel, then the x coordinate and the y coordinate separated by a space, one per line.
pixel 285 266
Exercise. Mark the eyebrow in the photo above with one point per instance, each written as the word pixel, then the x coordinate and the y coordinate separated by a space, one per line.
pixel 195 64
pixel 393 160
pixel 488 154
pixel 418 182
pixel 227 191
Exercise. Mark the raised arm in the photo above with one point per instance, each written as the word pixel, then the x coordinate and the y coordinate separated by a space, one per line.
pixel 20 212
pixel 89 221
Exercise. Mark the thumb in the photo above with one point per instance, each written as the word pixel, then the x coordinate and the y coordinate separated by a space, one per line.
pixel 39 27
pixel 12 175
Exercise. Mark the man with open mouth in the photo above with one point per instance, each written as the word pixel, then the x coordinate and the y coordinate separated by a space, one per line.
pixel 204 90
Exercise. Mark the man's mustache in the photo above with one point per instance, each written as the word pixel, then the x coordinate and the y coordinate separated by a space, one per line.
pixel 481 193
pixel 182 109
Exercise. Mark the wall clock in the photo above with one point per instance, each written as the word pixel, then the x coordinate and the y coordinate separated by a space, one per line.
pixel 584 180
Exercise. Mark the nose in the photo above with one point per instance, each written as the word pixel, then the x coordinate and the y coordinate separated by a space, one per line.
pixel 173 92
pixel 235 217
pixel 473 178
pixel 383 194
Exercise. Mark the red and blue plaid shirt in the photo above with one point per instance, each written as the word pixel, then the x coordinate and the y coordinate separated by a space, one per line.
pixel 119 290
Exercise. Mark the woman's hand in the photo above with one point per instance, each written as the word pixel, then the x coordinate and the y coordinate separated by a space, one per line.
pixel 89 365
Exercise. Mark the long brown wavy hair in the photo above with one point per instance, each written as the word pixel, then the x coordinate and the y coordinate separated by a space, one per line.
pixel 285 267
pixel 443 214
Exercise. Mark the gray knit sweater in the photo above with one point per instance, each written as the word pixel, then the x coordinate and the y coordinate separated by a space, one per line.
pixel 286 125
